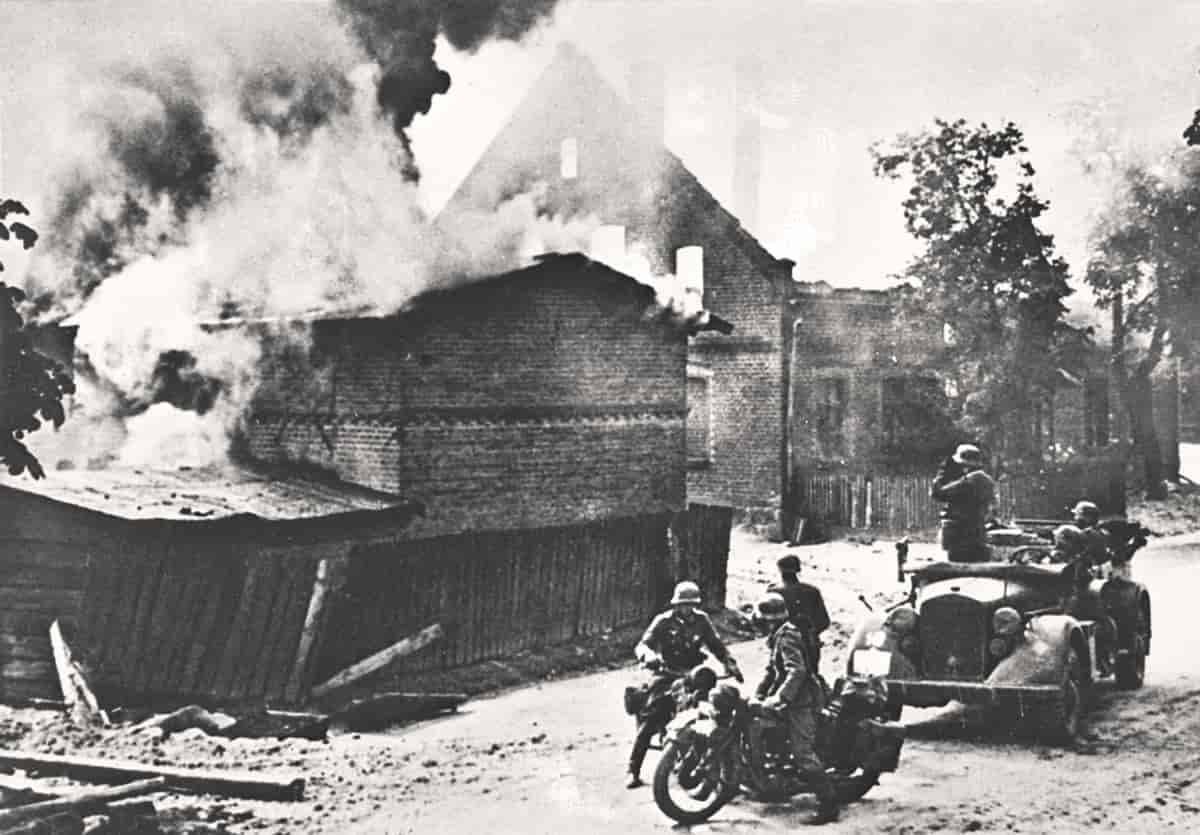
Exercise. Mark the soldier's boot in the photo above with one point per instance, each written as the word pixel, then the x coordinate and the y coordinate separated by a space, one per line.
pixel 641 745
pixel 827 802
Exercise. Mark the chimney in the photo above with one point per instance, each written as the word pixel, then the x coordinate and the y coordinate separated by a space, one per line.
pixel 647 94
pixel 747 143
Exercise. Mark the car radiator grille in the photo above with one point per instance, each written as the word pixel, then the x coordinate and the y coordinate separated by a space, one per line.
pixel 954 638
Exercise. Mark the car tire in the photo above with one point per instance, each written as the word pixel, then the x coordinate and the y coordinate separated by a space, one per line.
pixel 1060 722
pixel 1131 667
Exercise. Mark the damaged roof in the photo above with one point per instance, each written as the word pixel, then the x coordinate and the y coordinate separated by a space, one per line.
pixel 211 494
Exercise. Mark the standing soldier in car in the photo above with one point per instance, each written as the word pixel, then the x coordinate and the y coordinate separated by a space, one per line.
pixel 967 493
pixel 805 604
pixel 790 686
pixel 672 644
pixel 1095 540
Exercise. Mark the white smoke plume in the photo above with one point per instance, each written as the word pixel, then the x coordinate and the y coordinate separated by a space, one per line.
pixel 234 173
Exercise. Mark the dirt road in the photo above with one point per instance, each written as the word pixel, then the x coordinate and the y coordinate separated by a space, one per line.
pixel 549 759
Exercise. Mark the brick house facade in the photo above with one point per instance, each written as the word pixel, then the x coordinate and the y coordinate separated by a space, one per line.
pixel 587 152
pixel 544 397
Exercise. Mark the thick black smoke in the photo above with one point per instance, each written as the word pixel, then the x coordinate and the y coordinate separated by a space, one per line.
pixel 401 36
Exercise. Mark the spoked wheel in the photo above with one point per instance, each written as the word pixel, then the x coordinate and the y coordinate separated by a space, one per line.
pixel 854 785
pixel 689 786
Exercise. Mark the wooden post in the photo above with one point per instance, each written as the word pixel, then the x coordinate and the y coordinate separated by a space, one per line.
pixel 379 660
pixel 322 585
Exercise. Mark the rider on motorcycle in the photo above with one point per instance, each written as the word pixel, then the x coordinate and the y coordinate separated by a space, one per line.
pixel 670 646
pixel 791 686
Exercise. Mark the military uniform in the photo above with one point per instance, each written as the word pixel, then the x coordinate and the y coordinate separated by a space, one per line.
pixel 967 498
pixel 806 607
pixel 792 681
pixel 679 640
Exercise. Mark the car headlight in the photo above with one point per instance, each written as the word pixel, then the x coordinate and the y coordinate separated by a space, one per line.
pixel 902 620
pixel 1006 621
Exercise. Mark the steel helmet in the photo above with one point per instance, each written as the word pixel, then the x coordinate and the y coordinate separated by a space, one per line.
pixel 1087 510
pixel 686 592
pixel 968 454
pixel 771 607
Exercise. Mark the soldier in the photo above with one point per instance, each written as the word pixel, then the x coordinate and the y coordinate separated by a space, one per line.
pixel 805 604
pixel 670 646
pixel 1095 539
pixel 791 686
pixel 968 493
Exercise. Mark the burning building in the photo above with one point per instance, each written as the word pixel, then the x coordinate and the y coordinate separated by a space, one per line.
pixel 537 419
pixel 593 153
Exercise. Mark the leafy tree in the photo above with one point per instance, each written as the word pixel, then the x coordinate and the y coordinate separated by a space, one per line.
pixel 988 272
pixel 31 385
pixel 1145 266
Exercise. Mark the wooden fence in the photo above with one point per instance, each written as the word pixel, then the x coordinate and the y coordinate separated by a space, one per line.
pixel 903 503
pixel 224 626
pixel 498 593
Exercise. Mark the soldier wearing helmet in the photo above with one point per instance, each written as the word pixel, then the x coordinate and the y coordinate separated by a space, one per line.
pixel 1095 539
pixel 967 493
pixel 791 686
pixel 672 645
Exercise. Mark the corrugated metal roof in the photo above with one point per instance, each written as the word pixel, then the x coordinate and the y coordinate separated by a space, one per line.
pixel 206 494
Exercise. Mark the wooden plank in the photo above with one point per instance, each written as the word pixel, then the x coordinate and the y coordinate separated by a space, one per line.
pixel 291 628
pixel 318 599
pixel 114 640
pixel 239 635
pixel 83 803
pixel 207 635
pixel 261 612
pixel 379 660
pixel 150 674
pixel 228 783
pixel 186 632
pixel 141 635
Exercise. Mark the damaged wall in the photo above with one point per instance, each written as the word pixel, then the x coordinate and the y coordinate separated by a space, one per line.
pixel 537 399
pixel 623 174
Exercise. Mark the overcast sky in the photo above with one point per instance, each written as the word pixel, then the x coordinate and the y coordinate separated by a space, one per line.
pixel 838 75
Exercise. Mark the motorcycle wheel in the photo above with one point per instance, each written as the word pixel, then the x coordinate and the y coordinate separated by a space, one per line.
pixel 854 786
pixel 683 797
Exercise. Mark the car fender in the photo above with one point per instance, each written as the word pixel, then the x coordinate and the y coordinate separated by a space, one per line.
pixel 901 665
pixel 1040 657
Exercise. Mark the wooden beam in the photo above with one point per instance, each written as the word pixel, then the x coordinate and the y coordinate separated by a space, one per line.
pixel 312 625
pixel 82 803
pixel 87 769
pixel 77 693
pixel 376 662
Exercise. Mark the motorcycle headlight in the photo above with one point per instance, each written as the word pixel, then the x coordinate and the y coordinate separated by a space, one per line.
pixel 1006 621
pixel 902 620
pixel 877 639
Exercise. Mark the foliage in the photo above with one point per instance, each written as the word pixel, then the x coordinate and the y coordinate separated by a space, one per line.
pixel 31 385
pixel 1146 263
pixel 987 271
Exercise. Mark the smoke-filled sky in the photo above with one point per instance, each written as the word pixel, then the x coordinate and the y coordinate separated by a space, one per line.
pixel 837 76
pixel 275 157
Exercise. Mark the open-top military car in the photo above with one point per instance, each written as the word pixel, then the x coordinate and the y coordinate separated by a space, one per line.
pixel 1027 632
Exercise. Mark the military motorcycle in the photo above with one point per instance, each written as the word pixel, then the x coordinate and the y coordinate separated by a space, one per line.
pixel 729 745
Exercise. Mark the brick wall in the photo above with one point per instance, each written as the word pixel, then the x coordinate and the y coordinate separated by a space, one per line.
pixel 539 398
pixel 861 338
pixel 627 177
